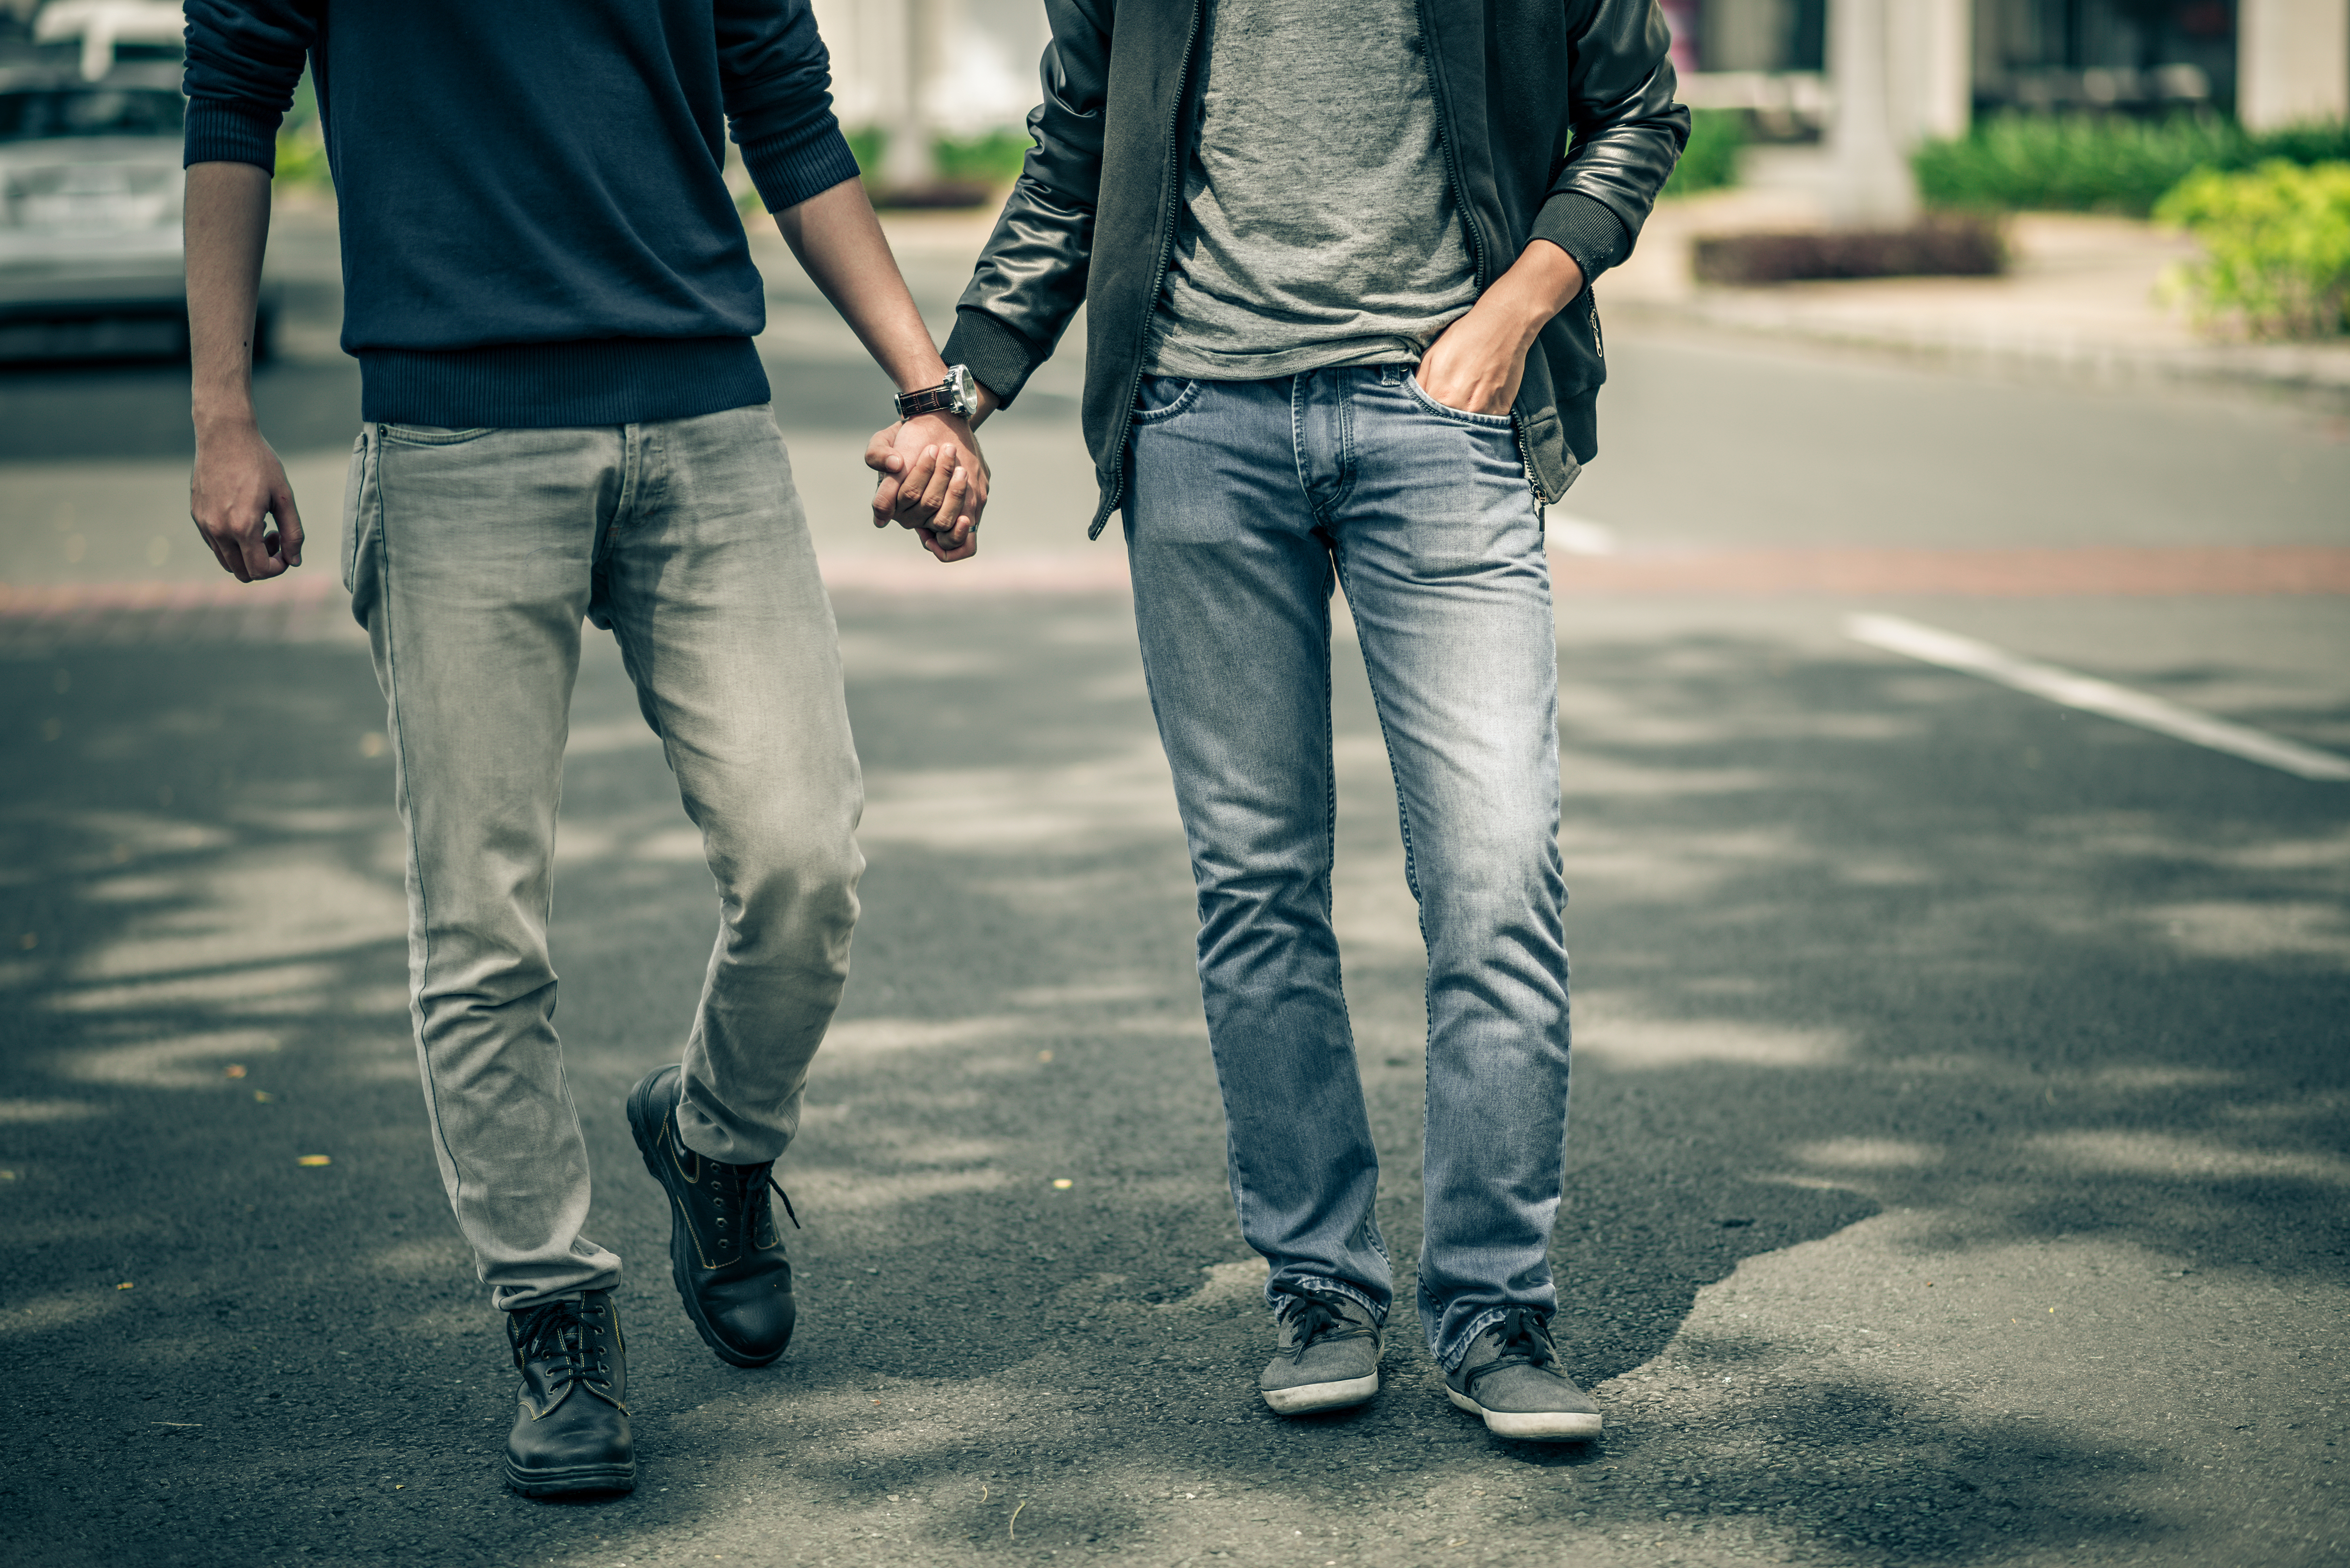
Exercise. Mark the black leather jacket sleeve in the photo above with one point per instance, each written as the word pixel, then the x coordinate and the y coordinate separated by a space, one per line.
pixel 1033 270
pixel 1628 132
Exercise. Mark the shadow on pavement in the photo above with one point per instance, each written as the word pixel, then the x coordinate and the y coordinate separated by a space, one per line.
pixel 1845 961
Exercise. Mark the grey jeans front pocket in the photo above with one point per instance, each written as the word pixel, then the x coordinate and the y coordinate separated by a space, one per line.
pixel 360 512
pixel 433 435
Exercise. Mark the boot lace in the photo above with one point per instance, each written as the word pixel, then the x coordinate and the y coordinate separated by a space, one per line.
pixel 559 1333
pixel 750 1185
pixel 1315 1321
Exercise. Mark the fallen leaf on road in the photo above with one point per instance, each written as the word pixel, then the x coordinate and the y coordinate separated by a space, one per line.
pixel 262 1096
pixel 1063 1182
pixel 316 1159
pixel 235 1069
pixel 125 1285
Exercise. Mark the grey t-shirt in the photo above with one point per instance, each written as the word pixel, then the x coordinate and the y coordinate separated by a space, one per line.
pixel 1319 225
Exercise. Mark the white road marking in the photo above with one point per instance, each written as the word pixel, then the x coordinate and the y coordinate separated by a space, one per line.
pixel 1577 537
pixel 2094 696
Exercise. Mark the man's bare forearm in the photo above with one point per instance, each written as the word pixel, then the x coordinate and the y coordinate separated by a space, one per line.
pixel 228 230
pixel 238 488
pixel 840 240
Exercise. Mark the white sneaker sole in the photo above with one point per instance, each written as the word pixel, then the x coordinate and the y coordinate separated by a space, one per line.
pixel 1307 1399
pixel 1530 1425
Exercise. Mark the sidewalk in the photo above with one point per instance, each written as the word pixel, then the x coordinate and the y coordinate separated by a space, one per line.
pixel 2080 297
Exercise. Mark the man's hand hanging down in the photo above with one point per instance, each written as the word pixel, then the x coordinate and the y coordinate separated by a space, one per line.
pixel 238 487
pixel 840 242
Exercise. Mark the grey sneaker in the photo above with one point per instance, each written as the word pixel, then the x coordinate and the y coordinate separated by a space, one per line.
pixel 1330 1356
pixel 1510 1376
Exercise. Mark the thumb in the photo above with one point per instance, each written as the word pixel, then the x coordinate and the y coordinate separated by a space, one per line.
pixel 289 522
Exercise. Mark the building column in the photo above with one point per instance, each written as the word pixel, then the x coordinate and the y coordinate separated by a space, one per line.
pixel 1870 183
pixel 1933 70
pixel 2292 62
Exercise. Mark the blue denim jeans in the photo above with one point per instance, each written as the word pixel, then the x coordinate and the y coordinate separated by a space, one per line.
pixel 472 556
pixel 1249 501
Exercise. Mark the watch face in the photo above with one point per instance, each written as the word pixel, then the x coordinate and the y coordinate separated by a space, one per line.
pixel 965 390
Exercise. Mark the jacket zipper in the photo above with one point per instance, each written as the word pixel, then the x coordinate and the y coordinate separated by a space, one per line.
pixel 1477 256
pixel 1174 196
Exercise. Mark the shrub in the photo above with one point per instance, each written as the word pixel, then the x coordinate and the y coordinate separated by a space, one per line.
pixel 2318 143
pixel 2277 241
pixel 866 143
pixel 1710 162
pixel 2073 164
pixel 302 144
pixel 993 158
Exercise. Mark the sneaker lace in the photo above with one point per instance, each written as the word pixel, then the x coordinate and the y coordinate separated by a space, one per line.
pixel 1523 1343
pixel 558 1333
pixel 1315 1321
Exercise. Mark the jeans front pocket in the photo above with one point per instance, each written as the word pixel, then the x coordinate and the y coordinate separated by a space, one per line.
pixel 1447 411
pixel 1160 398
pixel 433 435
pixel 361 509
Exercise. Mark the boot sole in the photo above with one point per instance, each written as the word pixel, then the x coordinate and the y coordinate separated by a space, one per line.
pixel 575 1480
pixel 1530 1425
pixel 1308 1397
pixel 680 1241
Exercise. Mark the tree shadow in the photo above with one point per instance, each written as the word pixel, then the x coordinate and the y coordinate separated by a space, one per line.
pixel 1840 952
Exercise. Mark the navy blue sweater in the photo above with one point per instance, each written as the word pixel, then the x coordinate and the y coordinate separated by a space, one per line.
pixel 535 226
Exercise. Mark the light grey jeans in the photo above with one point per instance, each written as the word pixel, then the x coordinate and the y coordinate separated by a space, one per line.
pixel 472 556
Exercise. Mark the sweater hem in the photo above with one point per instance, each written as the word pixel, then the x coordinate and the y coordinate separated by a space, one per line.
pixel 544 386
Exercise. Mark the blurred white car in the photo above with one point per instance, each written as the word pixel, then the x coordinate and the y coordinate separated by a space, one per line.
pixel 90 195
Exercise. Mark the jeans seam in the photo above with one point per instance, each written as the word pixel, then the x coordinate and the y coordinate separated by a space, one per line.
pixel 1346 488
pixel 415 858
pixel 1298 446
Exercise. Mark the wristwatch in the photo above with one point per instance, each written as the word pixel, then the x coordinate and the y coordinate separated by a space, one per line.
pixel 957 394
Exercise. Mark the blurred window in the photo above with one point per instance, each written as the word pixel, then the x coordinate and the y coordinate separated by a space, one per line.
pixel 44 113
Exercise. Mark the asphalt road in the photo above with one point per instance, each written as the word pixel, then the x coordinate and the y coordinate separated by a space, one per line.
pixel 1957 1170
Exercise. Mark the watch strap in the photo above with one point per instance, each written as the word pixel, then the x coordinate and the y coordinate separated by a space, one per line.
pixel 929 401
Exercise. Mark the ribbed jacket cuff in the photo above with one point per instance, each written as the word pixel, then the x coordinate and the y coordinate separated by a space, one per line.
pixel 218 134
pixel 1000 358
pixel 788 171
pixel 1585 229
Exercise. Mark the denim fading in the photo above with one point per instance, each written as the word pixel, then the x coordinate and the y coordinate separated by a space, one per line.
pixel 1251 503
pixel 472 556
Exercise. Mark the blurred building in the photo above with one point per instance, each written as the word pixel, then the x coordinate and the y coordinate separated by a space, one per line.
pixel 2270 62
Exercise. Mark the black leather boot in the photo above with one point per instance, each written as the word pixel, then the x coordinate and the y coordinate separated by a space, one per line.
pixel 571 1434
pixel 724 1251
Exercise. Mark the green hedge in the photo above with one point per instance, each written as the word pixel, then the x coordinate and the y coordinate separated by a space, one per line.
pixel 2101 165
pixel 2276 240
pixel 1717 136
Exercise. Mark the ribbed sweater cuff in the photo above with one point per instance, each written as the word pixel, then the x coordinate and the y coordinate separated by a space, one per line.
pixel 788 171
pixel 1585 229
pixel 218 134
pixel 1000 358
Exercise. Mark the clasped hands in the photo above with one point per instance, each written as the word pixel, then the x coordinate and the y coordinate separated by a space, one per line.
pixel 933 481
